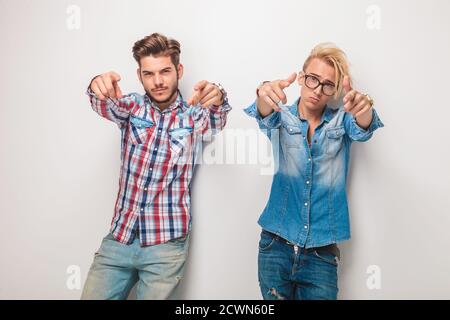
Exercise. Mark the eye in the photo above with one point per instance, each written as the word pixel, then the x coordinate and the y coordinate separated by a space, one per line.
pixel 311 81
pixel 329 89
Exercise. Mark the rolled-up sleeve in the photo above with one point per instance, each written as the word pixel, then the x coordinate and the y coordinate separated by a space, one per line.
pixel 356 133
pixel 116 110
pixel 266 124
pixel 218 116
pixel 210 121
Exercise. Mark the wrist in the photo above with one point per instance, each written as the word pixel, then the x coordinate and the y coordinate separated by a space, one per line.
pixel 222 91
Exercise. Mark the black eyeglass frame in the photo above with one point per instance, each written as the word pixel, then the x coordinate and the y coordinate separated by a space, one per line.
pixel 319 83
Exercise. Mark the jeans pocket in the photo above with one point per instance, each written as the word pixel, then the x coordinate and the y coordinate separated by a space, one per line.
pixel 109 236
pixel 180 240
pixel 326 256
pixel 266 241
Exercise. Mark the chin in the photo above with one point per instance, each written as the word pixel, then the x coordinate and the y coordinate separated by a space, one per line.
pixel 313 106
pixel 160 99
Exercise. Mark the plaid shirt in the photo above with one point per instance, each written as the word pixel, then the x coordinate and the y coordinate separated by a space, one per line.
pixel 158 153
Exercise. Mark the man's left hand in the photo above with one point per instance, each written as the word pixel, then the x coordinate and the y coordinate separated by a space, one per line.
pixel 206 94
pixel 356 103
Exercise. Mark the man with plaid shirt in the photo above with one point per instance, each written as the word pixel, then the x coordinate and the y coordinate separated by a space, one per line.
pixel 161 135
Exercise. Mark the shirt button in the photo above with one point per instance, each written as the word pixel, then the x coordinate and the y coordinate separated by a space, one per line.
pixel 307 182
pixel 309 159
pixel 156 149
pixel 145 189
pixel 306 227
pixel 142 209
pixel 159 130
pixel 306 204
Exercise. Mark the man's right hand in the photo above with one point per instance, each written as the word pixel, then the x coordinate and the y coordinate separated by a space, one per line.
pixel 271 93
pixel 106 86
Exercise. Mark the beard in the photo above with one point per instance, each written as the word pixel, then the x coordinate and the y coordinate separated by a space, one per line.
pixel 173 92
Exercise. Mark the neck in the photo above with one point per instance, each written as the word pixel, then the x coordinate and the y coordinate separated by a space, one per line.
pixel 310 115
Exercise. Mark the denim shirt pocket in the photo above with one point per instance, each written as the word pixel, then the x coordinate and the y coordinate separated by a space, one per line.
pixel 335 137
pixel 291 136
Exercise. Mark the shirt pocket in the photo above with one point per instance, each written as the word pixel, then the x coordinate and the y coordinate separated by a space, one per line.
pixel 140 130
pixel 291 136
pixel 179 140
pixel 335 140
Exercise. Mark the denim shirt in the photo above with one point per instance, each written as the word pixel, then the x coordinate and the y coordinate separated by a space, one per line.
pixel 308 201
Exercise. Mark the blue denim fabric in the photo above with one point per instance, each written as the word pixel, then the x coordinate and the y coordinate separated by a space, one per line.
pixel 308 200
pixel 285 274
pixel 117 267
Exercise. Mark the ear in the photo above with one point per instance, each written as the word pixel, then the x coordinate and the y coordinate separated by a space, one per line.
pixel 180 71
pixel 138 71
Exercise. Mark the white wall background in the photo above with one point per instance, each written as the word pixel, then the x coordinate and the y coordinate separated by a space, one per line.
pixel 60 161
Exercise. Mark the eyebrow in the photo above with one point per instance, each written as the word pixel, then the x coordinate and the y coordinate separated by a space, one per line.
pixel 165 69
pixel 326 80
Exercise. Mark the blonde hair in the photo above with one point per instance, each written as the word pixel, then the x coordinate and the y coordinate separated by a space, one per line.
pixel 156 45
pixel 334 57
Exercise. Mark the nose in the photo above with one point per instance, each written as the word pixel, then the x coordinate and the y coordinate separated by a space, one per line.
pixel 158 80
pixel 318 90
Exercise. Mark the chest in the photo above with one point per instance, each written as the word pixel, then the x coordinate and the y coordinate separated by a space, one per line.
pixel 160 136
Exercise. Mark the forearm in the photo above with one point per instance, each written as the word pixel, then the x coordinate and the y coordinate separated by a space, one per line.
pixel 263 107
pixel 218 115
pixel 116 110
pixel 365 119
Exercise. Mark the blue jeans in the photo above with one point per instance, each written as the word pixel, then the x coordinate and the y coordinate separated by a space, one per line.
pixel 117 267
pixel 283 273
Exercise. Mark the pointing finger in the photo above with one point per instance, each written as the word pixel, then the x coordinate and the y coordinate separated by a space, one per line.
pixel 200 85
pixel 117 90
pixel 347 84
pixel 287 82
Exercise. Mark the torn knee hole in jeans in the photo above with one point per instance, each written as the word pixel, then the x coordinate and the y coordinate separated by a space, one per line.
pixel 275 293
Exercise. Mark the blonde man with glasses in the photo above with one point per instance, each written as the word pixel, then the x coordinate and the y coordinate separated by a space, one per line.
pixel 307 211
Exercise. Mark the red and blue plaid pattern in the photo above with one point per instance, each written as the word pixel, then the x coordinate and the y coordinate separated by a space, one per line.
pixel 157 161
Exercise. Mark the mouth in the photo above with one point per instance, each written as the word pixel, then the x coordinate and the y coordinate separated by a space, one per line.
pixel 314 100
pixel 160 91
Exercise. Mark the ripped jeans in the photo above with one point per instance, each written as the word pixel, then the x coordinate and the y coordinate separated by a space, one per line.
pixel 117 267
pixel 286 272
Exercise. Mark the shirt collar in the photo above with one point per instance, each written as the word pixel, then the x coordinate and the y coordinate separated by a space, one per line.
pixel 178 103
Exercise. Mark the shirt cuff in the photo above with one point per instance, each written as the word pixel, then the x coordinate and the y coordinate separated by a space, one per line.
pixel 89 92
pixel 224 107
pixel 360 133
pixel 271 121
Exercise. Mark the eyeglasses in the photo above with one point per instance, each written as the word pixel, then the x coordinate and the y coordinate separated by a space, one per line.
pixel 312 82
